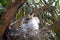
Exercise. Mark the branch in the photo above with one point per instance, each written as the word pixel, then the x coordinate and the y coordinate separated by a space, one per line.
pixel 10 12
pixel 42 8
pixel 35 11
pixel 56 24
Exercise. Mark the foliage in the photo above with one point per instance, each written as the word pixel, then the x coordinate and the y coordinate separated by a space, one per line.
pixel 47 16
pixel 3 5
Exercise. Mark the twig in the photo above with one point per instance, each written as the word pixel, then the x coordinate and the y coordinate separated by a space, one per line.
pixel 35 11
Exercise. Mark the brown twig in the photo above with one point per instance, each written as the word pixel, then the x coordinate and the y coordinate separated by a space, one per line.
pixel 35 11
pixel 8 16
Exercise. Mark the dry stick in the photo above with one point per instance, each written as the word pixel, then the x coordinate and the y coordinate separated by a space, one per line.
pixel 35 11
pixel 47 28
pixel 55 24
pixel 8 16
pixel 43 7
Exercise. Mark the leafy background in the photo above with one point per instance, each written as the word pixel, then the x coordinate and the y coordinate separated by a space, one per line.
pixel 47 16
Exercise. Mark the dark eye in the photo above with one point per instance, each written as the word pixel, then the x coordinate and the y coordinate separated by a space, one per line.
pixel 27 18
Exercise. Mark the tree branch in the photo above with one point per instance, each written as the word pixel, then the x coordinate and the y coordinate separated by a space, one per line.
pixel 9 15
pixel 35 11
